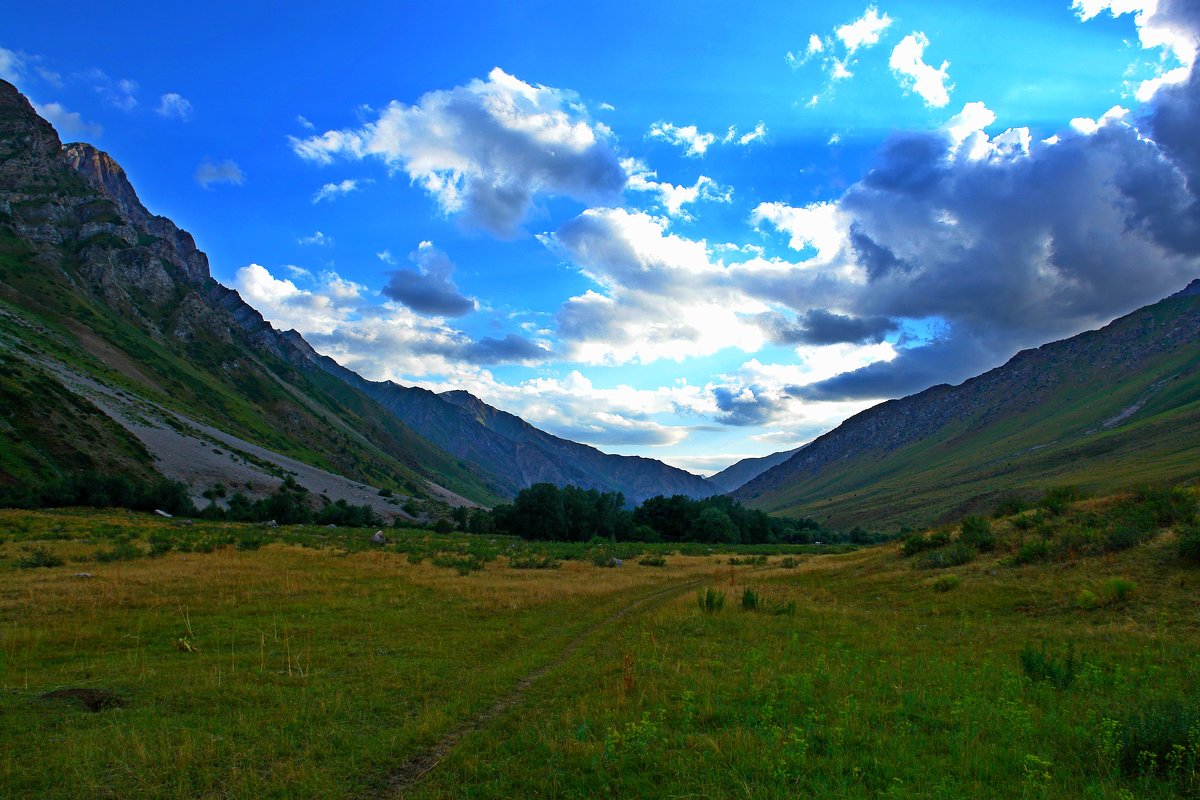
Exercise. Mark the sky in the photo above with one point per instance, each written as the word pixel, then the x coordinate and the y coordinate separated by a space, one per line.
pixel 683 231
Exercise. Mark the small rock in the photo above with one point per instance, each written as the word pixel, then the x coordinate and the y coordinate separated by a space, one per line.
pixel 331 525
pixel 271 523
pixel 379 538
pixel 82 575
pixel 615 562
pixel 162 513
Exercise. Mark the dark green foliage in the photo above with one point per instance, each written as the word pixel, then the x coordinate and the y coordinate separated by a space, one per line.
pixel 1167 506
pixel 39 557
pixel 652 561
pixel 713 525
pixel 1039 666
pixel 919 543
pixel 710 600
pixel 533 561
pixel 94 490
pixel 1057 499
pixel 945 583
pixel 121 551
pixel 250 541
pixel 1189 544
pixel 750 600
pixel 949 556
pixel 787 562
pixel 976 532
pixel 1032 550
pixel 1162 738
pixel 443 525
pixel 1009 505
pixel 544 512
pixel 160 545
pixel 464 565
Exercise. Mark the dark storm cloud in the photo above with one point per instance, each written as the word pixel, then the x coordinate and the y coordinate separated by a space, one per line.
pixel 820 327
pixel 429 289
pixel 745 405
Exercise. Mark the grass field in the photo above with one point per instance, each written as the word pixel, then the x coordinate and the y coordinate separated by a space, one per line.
pixel 305 663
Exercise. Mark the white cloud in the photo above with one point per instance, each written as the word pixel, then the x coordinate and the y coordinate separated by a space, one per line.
pixel 674 198
pixel 67 123
pixel 386 256
pixel 316 238
pixel 693 142
pixel 303 122
pixel 485 149
pixel 330 191
pixel 1178 40
pixel 174 106
pixel 821 226
pixel 864 31
pixel 731 136
pixel 287 306
pixel 913 74
pixel 214 172
pixel 12 65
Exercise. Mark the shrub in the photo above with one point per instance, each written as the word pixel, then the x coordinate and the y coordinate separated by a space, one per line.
pixel 710 600
pixel 1057 499
pixel 464 565
pixel 1160 738
pixel 653 561
pixel 919 543
pixel 1127 533
pixel 945 583
pixel 122 551
pixel 1168 506
pixel 789 563
pixel 250 541
pixel 783 608
pixel 159 546
pixel 750 600
pixel 1009 505
pixel 977 532
pixel 39 557
pixel 949 556
pixel 1039 666
pixel 533 561
pixel 1030 551
pixel 1189 544
pixel 1116 590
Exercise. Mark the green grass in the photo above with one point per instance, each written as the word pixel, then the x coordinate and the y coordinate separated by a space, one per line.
pixel 316 664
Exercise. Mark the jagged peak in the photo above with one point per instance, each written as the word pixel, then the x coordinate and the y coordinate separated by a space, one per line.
pixel 106 176
pixel 1191 290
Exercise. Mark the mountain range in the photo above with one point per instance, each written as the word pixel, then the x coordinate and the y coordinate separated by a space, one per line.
pixel 120 352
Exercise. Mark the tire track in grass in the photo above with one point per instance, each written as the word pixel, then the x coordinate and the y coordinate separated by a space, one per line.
pixel 402 780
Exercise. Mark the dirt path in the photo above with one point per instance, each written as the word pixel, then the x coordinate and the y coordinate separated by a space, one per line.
pixel 405 778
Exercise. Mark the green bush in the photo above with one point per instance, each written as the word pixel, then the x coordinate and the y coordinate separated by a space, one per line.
pixel 750 600
pixel 919 543
pixel 1030 551
pixel 121 551
pixel 653 561
pixel 710 600
pixel 977 532
pixel 1009 505
pixel 1057 499
pixel 787 562
pixel 1189 544
pixel 945 583
pixel 1168 506
pixel 1040 666
pixel 1160 738
pixel 533 561
pixel 949 556
pixel 250 541
pixel 39 557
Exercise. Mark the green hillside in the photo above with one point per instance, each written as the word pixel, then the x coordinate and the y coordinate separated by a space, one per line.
pixel 1105 409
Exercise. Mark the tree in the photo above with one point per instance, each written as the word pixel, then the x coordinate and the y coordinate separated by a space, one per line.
pixel 714 525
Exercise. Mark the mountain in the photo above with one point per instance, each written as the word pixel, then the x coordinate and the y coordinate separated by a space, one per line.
pixel 742 472
pixel 514 453
pixel 1105 409
pixel 120 353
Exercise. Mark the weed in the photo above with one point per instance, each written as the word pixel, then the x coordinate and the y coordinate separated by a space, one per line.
pixel 977 532
pixel 945 583
pixel 750 600
pixel 464 565
pixel 950 556
pixel 533 561
pixel 1040 666
pixel 919 543
pixel 653 561
pixel 1031 551
pixel 121 551
pixel 250 541
pixel 710 600
pixel 783 608
pixel 787 562
pixel 1009 505
pixel 1189 544
pixel 1057 499
pixel 39 557
pixel 1161 738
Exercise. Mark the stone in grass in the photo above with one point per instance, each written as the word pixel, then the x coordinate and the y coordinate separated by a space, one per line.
pixel 90 699
pixel 615 562
pixel 162 513
pixel 379 538
pixel 82 575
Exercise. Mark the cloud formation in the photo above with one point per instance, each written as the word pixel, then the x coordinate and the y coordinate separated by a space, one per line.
pixel 914 75
pixel 673 198
pixel 486 150
pixel 216 172
pixel 174 106
pixel 429 289
pixel 836 51
pixel 69 124
pixel 331 191
pixel 695 143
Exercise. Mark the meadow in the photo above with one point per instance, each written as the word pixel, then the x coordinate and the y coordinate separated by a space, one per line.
pixel 1053 655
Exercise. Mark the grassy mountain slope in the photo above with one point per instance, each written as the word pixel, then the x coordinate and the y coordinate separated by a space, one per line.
pixel 95 287
pixel 1105 409
pixel 742 472
pixel 514 453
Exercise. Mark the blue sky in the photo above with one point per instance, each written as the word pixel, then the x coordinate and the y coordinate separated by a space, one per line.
pixel 664 229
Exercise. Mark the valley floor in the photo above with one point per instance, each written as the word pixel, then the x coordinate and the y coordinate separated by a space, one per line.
pixel 314 666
